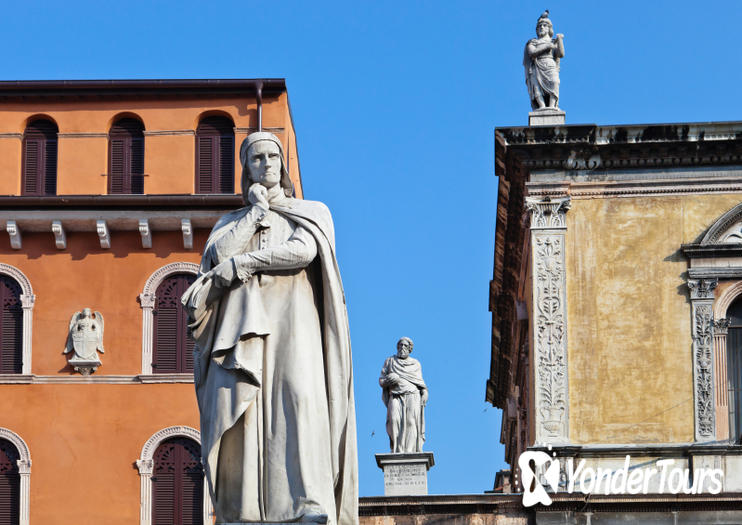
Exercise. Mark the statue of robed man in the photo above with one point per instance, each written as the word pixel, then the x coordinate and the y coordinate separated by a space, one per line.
pixel 273 369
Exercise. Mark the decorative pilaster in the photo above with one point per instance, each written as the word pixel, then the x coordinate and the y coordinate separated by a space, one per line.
pixel 721 328
pixel 24 472
pixel 146 467
pixel 548 231
pixel 702 328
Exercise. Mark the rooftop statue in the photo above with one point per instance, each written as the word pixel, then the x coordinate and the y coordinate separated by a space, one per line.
pixel 541 61
pixel 273 370
pixel 405 395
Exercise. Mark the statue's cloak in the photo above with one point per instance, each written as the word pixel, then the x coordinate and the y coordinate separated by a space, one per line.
pixel 225 383
pixel 541 71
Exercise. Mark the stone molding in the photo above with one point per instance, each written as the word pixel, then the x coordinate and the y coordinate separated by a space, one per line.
pixel 659 188
pixel 721 228
pixel 83 135
pixel 147 303
pixel 548 232
pixel 11 136
pixel 145 465
pixel 725 299
pixel 24 470
pixel 28 299
pixel 702 331
pixel 113 379
pixel 161 132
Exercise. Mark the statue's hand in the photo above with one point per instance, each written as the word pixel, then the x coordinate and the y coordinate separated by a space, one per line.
pixel 424 397
pixel 257 195
pixel 224 273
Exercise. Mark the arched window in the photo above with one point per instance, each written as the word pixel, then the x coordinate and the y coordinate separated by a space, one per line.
pixel 215 155
pixel 734 369
pixel 40 158
pixel 177 483
pixel 10 484
pixel 173 345
pixel 126 156
pixel 11 327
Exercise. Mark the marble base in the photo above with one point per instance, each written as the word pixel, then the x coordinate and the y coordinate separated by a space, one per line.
pixel 405 474
pixel 546 117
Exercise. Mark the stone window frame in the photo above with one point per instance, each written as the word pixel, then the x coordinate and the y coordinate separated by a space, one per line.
pixel 24 470
pixel 147 303
pixel 146 465
pixel 28 299
pixel 709 263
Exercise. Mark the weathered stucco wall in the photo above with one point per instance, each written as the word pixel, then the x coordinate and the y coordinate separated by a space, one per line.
pixel 629 339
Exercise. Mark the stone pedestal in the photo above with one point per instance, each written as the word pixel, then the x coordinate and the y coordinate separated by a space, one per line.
pixel 405 474
pixel 546 117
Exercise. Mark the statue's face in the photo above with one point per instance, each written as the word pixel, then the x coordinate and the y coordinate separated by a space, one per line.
pixel 403 349
pixel 264 163
pixel 542 29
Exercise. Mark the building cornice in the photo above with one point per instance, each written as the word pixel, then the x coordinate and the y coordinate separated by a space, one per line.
pixel 25 89
pixel 591 147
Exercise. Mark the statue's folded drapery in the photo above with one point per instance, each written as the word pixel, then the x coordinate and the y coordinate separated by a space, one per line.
pixel 542 72
pixel 405 420
pixel 273 369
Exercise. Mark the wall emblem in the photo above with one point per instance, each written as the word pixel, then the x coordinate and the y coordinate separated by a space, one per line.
pixel 85 339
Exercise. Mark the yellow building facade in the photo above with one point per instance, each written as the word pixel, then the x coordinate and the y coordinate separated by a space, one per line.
pixel 617 278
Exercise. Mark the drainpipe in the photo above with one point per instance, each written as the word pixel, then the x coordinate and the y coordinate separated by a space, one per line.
pixel 259 93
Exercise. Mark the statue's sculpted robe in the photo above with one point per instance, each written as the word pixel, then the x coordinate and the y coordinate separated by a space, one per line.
pixel 405 417
pixel 273 369
pixel 542 71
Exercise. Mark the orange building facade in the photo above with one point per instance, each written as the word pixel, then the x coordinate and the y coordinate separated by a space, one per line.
pixel 85 447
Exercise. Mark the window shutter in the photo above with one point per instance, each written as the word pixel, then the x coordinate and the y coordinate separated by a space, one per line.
pixel 177 483
pixel 116 169
pixel 40 158
pixel 11 327
pixel 126 157
pixel 32 166
pixel 204 167
pixel 173 344
pixel 137 165
pixel 215 155
pixel 226 167
pixel 50 167
pixel 10 484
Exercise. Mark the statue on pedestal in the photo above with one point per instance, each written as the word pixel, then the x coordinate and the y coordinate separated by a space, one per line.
pixel 405 395
pixel 273 371
pixel 541 61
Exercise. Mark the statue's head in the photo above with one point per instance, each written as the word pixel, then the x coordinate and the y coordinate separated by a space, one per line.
pixel 87 312
pixel 543 26
pixel 404 347
pixel 263 161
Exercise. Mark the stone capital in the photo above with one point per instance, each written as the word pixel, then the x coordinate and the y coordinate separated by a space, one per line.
pixel 702 288
pixel 548 213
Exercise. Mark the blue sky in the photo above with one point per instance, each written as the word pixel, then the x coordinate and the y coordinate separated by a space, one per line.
pixel 394 105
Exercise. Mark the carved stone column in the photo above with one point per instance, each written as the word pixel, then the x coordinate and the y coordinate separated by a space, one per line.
pixel 548 230
pixel 24 471
pixel 721 328
pixel 146 468
pixel 702 328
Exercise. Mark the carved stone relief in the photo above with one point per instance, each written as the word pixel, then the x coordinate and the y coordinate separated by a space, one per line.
pixel 702 326
pixel 85 339
pixel 548 227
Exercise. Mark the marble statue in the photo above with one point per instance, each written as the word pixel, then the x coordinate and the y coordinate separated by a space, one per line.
pixel 541 61
pixel 85 339
pixel 273 371
pixel 404 393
